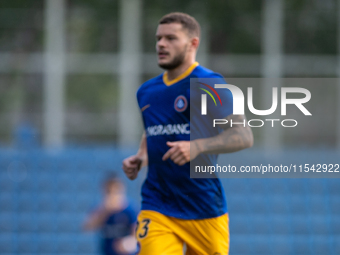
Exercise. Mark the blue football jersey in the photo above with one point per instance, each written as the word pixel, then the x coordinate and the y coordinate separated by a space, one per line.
pixel 115 227
pixel 168 188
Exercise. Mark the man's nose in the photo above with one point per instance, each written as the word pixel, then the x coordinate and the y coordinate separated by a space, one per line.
pixel 161 43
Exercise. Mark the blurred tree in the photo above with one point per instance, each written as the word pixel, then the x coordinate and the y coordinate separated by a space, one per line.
pixel 97 22
pixel 91 93
pixel 233 27
pixel 22 4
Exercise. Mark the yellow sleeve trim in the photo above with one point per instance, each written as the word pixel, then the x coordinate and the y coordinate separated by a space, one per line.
pixel 180 77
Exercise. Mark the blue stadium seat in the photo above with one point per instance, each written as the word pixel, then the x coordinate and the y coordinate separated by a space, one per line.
pixel 297 186
pixel 68 223
pixel 8 222
pixel 260 244
pixel 301 244
pixel 5 161
pixel 47 243
pixel 29 184
pixel 258 186
pixel 67 243
pixel 320 224
pixel 86 165
pixel 7 184
pixel 26 244
pixel 41 214
pixel 66 182
pixel 237 204
pixel 47 222
pixel 46 164
pixel 321 244
pixel 86 183
pixel 27 222
pixel 7 243
pixel 298 204
pixel 280 224
pixel 88 243
pixel 67 163
pixel 240 224
pixel 7 202
pixel 277 186
pixel 258 204
pixel 300 225
pixel 334 222
pixel 84 201
pixel 333 186
pixel 46 182
pixel 260 224
pixel 316 186
pixel 281 244
pixel 335 244
pixel 105 164
pixel 67 202
pixel 240 244
pixel 235 186
pixel 334 204
pixel 317 204
pixel 278 204
pixel 47 202
pixel 27 201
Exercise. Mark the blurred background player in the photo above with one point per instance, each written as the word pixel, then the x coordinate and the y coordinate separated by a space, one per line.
pixel 115 218
pixel 177 209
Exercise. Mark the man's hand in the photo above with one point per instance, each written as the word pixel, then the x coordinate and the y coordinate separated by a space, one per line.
pixel 125 245
pixel 131 166
pixel 180 153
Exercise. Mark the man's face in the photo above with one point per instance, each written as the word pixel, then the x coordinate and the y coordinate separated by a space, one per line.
pixel 114 189
pixel 172 45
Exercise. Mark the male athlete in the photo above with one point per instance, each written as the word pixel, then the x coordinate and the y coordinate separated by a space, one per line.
pixel 177 209
pixel 115 218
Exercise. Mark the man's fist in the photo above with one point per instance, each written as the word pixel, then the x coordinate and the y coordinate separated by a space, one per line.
pixel 180 153
pixel 131 166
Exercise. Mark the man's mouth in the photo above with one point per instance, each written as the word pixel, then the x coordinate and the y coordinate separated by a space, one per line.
pixel 162 54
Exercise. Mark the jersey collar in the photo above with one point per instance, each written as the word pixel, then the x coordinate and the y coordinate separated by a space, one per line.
pixel 180 77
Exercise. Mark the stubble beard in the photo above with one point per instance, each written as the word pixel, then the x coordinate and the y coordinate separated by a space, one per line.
pixel 176 62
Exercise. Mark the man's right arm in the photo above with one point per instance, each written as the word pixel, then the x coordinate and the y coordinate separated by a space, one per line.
pixel 143 151
pixel 96 219
pixel 133 164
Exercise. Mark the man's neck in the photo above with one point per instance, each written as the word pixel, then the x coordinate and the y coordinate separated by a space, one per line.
pixel 174 73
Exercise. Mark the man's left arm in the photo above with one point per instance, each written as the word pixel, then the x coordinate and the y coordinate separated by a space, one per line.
pixel 231 139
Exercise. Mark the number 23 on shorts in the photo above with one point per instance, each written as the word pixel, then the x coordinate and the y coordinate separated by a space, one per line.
pixel 142 228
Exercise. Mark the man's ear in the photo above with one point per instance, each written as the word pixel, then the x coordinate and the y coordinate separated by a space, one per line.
pixel 195 42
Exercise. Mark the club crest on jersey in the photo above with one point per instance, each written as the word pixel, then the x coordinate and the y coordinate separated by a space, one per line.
pixel 181 103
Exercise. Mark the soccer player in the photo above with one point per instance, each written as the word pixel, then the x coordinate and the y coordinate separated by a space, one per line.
pixel 115 218
pixel 177 209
